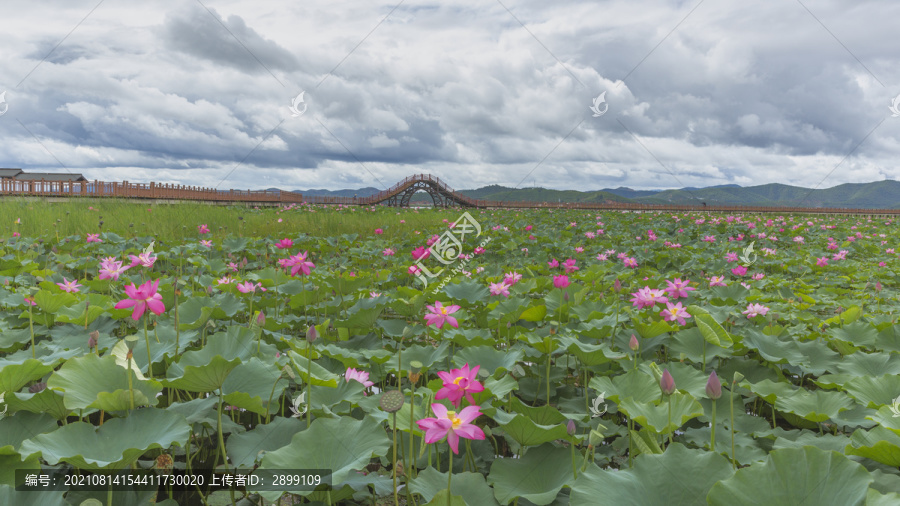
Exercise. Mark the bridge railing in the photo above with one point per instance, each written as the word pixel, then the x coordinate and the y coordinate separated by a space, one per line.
pixel 126 189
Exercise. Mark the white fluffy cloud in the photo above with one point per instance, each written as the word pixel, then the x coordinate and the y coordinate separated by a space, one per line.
pixel 198 94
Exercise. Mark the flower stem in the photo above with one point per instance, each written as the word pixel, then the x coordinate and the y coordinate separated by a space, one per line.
pixel 449 476
pixel 670 419
pixel 221 436
pixel 130 386
pixel 712 433
pixel 149 360
pixel 731 395
pixel 394 458
pixel 31 327
pixel 309 382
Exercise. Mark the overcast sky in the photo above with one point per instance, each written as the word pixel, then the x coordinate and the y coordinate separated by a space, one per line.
pixel 477 92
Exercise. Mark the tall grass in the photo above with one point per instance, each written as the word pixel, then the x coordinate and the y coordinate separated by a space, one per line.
pixel 169 222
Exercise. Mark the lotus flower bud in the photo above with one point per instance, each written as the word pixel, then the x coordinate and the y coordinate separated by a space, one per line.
pixel 633 343
pixel 570 427
pixel 878 286
pixel 566 296
pixel 311 333
pixel 93 339
pixel 261 319
pixel 667 383
pixel 617 286
pixel 714 386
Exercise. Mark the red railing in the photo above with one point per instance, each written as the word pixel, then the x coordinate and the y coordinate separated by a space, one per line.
pixel 125 189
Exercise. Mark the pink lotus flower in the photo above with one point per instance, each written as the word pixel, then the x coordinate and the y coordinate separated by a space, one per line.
pixel 758 276
pixel 207 244
pixel 881 264
pixel 142 298
pixel 299 263
pixel 674 312
pixel 111 269
pixel 569 266
pixel 740 270
pixel 840 255
pixel 421 253
pixel 527 228
pixel 29 300
pixel 388 252
pixel 378 231
pixel 249 287
pixel 413 270
pixel 648 297
pixel 69 286
pixel 822 262
pixel 717 281
pixel 678 288
pixel 451 425
pixel 561 281
pixel 360 376
pixel 499 289
pixel 731 257
pixel 479 250
pixel 233 266
pixel 630 262
pixel 226 280
pixel 579 249
pixel 93 238
pixel 553 263
pixel 374 294
pixel 512 278
pixel 203 229
pixel 458 383
pixel 145 259
pixel 709 238
pixel 601 257
pixel 433 239
pixel 755 309
pixel 440 314
pixel 284 243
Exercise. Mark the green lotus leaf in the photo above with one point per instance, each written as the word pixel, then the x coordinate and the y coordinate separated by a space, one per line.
pixel 98 382
pixel 471 292
pixel 46 401
pixel 879 444
pixel 8 495
pixel 343 445
pixel 858 333
pixel 534 313
pixel 796 477
pixel 250 385
pixel 538 476
pixel 656 416
pixel 769 390
pixel 14 375
pixel 248 447
pixel 874 391
pixel 649 329
pixel 22 425
pixel 711 330
pixel 677 477
pixel 637 385
pixel 445 498
pixel 471 487
pixel 524 431
pixel 116 444
pixel 876 498
pixel 870 364
pixel 817 406
pixel 490 359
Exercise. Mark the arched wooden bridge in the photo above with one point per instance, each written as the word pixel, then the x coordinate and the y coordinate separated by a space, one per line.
pixel 399 195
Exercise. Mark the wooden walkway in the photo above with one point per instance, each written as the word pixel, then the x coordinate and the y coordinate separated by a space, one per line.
pixel 397 195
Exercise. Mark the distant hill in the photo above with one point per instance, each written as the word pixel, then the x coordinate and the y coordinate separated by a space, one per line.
pixel 875 195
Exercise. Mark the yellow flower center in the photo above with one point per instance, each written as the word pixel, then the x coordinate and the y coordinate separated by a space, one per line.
pixel 458 379
pixel 443 310
pixel 454 419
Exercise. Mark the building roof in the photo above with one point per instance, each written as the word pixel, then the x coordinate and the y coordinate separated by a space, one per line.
pixel 49 176
pixel 10 172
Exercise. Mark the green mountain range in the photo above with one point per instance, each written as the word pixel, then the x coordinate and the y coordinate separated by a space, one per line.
pixel 875 195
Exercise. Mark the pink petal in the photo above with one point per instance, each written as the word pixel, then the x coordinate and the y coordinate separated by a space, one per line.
pixel 470 432
pixel 439 410
pixel 469 413
pixel 156 306
pixel 125 304
pixel 453 441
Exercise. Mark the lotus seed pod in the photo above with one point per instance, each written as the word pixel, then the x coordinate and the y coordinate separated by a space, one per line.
pixel 131 342
pixel 392 401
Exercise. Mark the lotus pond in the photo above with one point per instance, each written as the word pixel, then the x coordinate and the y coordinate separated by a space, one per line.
pixel 553 357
